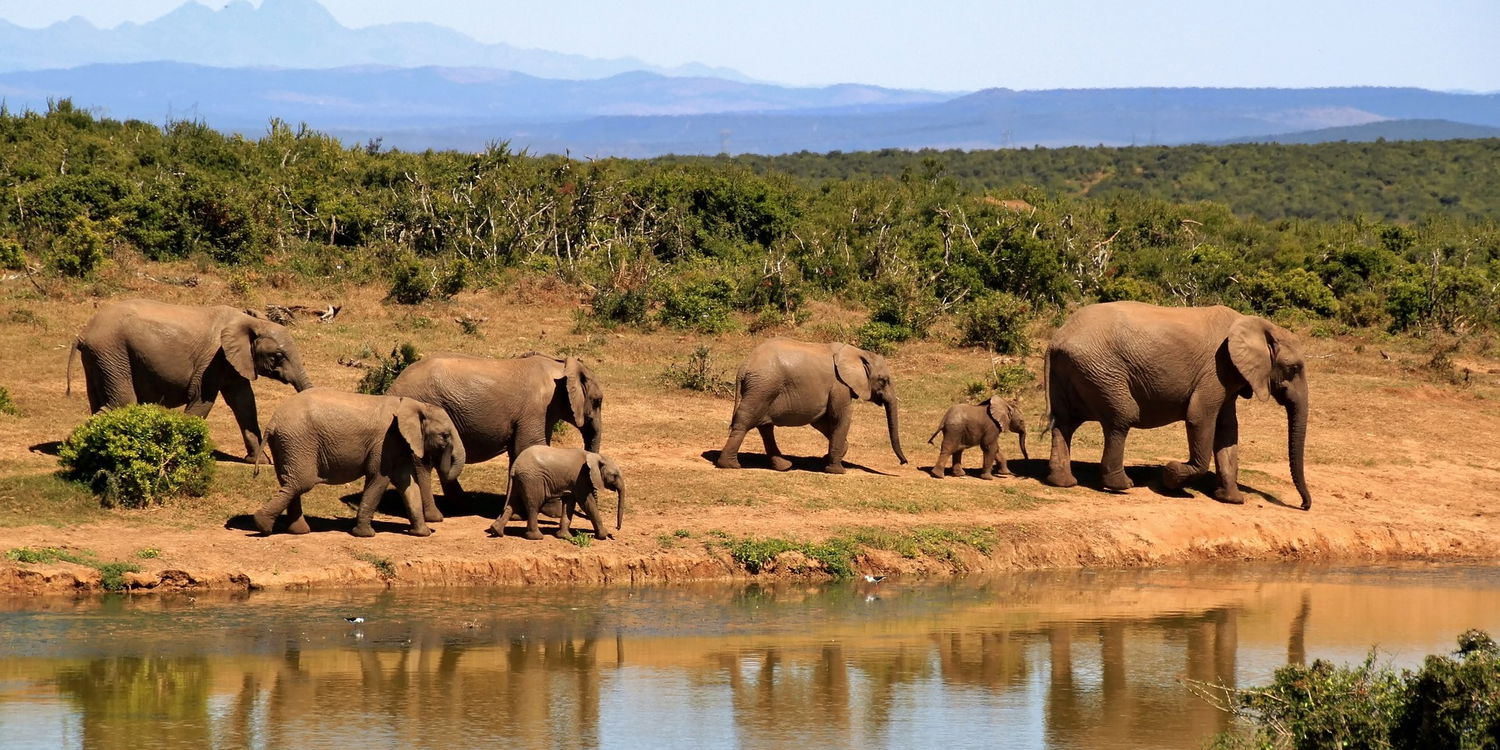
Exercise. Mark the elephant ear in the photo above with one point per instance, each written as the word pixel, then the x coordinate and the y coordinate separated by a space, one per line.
pixel 577 399
pixel 1250 349
pixel 596 477
pixel 999 410
pixel 237 340
pixel 409 423
pixel 852 366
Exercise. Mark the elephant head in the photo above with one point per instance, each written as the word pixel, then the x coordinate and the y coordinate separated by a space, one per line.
pixel 605 475
pixel 259 347
pixel 1007 416
pixel 431 436
pixel 1269 358
pixel 585 400
pixel 869 378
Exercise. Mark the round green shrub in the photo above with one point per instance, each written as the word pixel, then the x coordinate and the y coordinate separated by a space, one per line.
pixel 999 321
pixel 139 455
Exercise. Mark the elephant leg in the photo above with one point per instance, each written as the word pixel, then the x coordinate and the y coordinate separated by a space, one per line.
pixel 296 521
pixel 241 401
pixel 838 441
pixel 773 451
pixel 1227 456
pixel 498 527
pixel 944 457
pixel 533 510
pixel 991 455
pixel 1060 465
pixel 1112 465
pixel 452 492
pixel 375 486
pixel 591 507
pixel 729 455
pixel 565 520
pixel 423 477
pixel 288 496
pixel 956 469
pixel 412 493
pixel 1200 452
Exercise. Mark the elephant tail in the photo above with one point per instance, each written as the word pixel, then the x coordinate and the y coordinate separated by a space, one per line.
pixel 260 451
pixel 72 354
pixel 935 433
pixel 1047 389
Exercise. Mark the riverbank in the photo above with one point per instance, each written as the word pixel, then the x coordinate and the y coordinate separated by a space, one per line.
pixel 1403 463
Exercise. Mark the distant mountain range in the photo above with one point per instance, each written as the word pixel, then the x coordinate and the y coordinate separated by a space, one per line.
pixel 294 34
pixel 420 86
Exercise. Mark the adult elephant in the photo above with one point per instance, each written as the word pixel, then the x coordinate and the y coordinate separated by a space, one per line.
pixel 505 405
pixel 1128 364
pixel 789 383
pixel 140 351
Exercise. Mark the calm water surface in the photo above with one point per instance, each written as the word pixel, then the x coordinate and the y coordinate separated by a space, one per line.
pixel 1070 660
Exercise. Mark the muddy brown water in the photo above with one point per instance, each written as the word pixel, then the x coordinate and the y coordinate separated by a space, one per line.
pixel 1079 659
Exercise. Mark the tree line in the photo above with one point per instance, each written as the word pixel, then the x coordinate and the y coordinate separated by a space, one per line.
pixel 984 240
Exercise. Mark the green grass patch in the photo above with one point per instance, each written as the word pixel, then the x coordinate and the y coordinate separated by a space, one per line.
pixel 148 553
pixel 382 565
pixel 46 499
pixel 111 574
pixel 836 555
pixel 7 404
pixel 580 539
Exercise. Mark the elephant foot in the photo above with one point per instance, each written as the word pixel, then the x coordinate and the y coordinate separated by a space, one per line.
pixel 779 463
pixel 362 530
pixel 730 462
pixel 835 467
pixel 496 529
pixel 1175 474
pixel 1228 496
pixel 936 473
pixel 1116 481
pixel 264 522
pixel 435 516
pixel 604 535
pixel 419 531
pixel 534 535
pixel 298 526
pixel 1062 479
pixel 1003 472
pixel 956 471
pixel 986 476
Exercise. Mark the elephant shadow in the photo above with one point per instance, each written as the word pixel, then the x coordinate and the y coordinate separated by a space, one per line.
pixel 1149 476
pixel 49 448
pixel 1025 468
pixel 799 463
pixel 315 525
pixel 484 504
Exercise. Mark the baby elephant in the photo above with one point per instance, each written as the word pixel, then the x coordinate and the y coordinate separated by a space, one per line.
pixel 968 425
pixel 324 436
pixel 544 474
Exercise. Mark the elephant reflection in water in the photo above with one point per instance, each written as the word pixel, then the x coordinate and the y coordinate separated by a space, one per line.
pixel 139 701
pixel 1115 709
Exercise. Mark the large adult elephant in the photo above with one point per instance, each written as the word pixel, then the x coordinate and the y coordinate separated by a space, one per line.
pixel 505 405
pixel 1128 364
pixel 789 383
pixel 140 351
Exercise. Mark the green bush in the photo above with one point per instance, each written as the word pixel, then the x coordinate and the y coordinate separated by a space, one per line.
pixel 378 377
pixel 138 455
pixel 82 247
pixel 881 337
pixel 696 373
pixel 998 321
pixel 1296 289
pixel 618 305
pixel 1451 702
pixel 7 404
pixel 410 284
pixel 11 256
pixel 702 306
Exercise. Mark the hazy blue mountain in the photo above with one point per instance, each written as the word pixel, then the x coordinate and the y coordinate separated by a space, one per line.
pixel 293 34
pixel 378 98
pixel 1390 130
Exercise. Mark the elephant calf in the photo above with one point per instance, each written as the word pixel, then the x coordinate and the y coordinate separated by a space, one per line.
pixel 324 436
pixel 968 425
pixel 544 474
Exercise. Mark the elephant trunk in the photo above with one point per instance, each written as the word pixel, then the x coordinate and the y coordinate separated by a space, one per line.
pixel 592 432
pixel 1296 442
pixel 893 425
pixel 300 381
pixel 619 504
pixel 452 463
pixel 1021 439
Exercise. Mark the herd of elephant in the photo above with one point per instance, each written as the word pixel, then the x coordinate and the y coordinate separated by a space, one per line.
pixel 1122 364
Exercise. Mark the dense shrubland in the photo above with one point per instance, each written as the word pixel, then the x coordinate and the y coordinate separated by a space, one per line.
pixel 711 244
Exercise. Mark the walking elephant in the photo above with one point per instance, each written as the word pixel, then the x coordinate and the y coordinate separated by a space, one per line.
pixel 140 351
pixel 968 425
pixel 324 436
pixel 505 405
pixel 1128 364
pixel 789 383
pixel 544 474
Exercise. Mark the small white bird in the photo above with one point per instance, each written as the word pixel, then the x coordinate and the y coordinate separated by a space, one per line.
pixel 357 620
pixel 874 579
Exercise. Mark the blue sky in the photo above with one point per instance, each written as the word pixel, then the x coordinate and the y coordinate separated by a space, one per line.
pixel 954 45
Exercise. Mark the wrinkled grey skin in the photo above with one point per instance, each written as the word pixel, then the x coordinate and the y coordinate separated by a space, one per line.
pixel 139 351
pixel 544 474
pixel 968 425
pixel 505 405
pixel 324 436
pixel 1128 364
pixel 788 383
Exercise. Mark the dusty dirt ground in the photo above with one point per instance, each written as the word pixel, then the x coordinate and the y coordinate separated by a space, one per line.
pixel 1401 463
